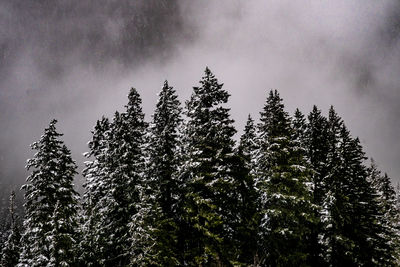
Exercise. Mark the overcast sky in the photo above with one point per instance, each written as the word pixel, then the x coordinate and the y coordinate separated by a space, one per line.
pixel 76 61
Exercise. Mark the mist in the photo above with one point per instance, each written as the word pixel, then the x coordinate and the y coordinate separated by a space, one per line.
pixel 76 62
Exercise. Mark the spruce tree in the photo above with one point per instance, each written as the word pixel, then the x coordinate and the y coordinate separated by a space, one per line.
pixel 61 240
pixel 316 144
pixel 299 126
pixel 124 172
pixel 248 143
pixel 49 183
pixel 12 246
pixel 389 216
pixel 209 182
pixel 332 184
pixel 351 233
pixel 361 209
pixel 285 186
pixel 246 232
pixel 95 186
pixel 155 225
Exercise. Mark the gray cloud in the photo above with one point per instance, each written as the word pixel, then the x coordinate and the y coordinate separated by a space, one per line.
pixel 77 61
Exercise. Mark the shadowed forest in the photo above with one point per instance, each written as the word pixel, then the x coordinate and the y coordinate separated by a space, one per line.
pixel 181 191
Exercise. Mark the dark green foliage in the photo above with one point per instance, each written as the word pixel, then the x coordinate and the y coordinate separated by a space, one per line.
pixel 154 228
pixel 316 145
pixel 95 191
pixel 12 246
pixel 124 172
pixel 248 143
pixel 210 185
pixel 285 186
pixel 246 231
pixel 295 191
pixel 388 245
pixel 350 201
pixel 49 188
pixel 299 125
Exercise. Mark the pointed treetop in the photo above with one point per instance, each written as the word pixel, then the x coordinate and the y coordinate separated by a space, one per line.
pixel 207 71
pixel 314 114
pixel 335 121
pixel 249 127
pixel 247 140
pixel 274 119
pixel 12 207
pixel 52 127
pixel 53 122
pixel 299 116
pixel 274 99
pixel 165 84
pixel 249 123
pixel 167 108
pixel 165 90
pixel 49 137
pixel 133 98
pixel 208 94
pixel 333 116
pixel 209 77
pixel 299 125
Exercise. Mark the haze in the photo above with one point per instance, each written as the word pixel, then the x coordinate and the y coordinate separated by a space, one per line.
pixel 76 61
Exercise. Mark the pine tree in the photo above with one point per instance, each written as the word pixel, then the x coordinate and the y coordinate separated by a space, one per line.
pixel 12 246
pixel 61 240
pixel 49 183
pixel 285 186
pixel 246 232
pixel 164 140
pixel 316 144
pixel 332 181
pixel 389 219
pixel 362 208
pixel 210 185
pixel 124 172
pixel 299 126
pixel 96 186
pixel 350 201
pixel 155 225
pixel 248 143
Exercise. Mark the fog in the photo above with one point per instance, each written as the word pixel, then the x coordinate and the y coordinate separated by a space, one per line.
pixel 77 62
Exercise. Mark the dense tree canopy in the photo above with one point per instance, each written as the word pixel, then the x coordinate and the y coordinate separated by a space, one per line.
pixel 180 191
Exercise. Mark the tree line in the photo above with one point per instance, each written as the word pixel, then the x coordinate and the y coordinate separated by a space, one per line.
pixel 180 191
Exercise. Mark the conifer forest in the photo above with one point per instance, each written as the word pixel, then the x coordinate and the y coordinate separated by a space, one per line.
pixel 188 189
pixel 208 133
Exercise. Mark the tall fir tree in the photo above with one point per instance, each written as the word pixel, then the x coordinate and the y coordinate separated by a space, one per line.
pixel 316 144
pixel 246 232
pixel 62 246
pixel 350 200
pixel 95 186
pixel 332 180
pixel 208 176
pixel 299 126
pixel 155 227
pixel 362 207
pixel 124 169
pixel 12 247
pixel 50 182
pixel 285 186
pixel 389 216
pixel 338 210
pixel 248 143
